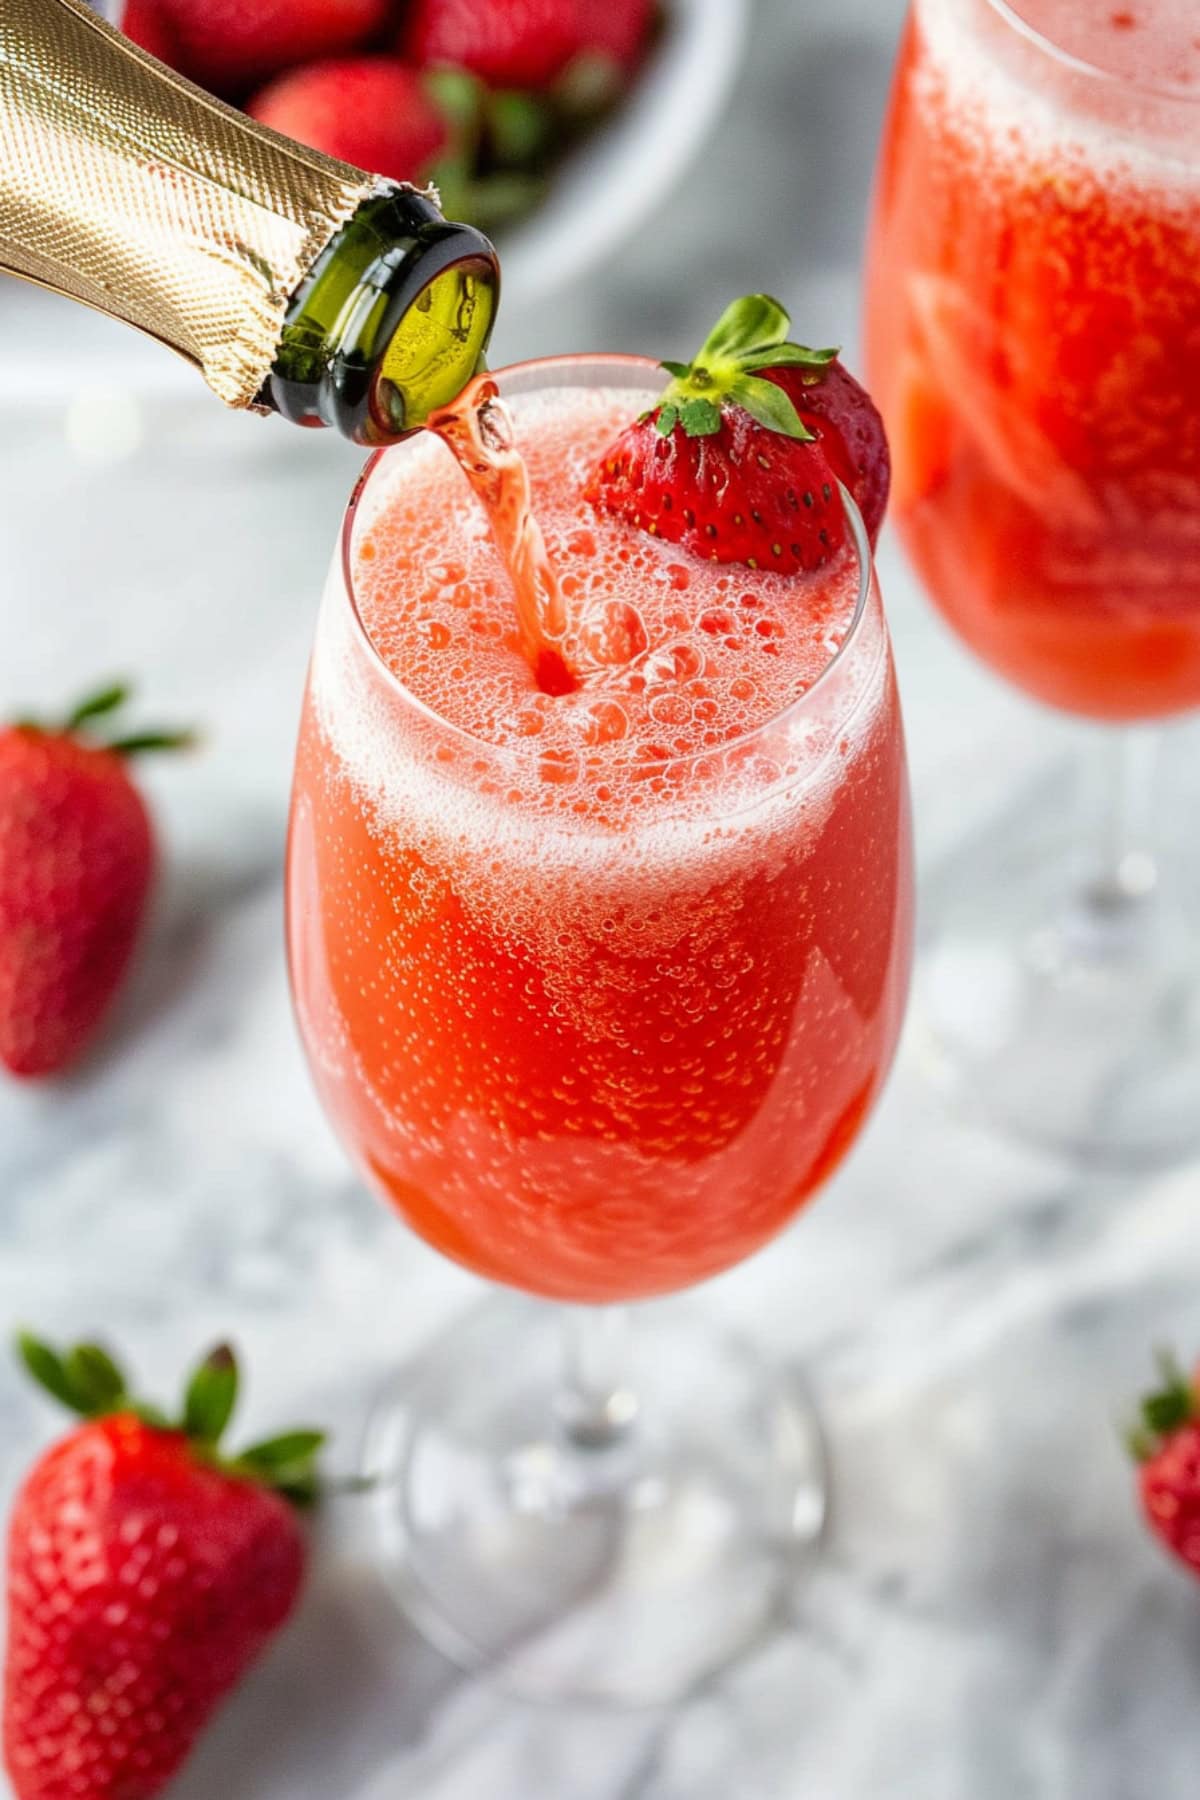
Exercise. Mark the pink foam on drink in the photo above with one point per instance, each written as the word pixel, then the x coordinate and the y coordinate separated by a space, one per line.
pixel 1153 43
pixel 681 655
pixel 1108 92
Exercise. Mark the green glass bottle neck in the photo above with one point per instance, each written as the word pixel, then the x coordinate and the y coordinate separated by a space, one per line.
pixel 391 323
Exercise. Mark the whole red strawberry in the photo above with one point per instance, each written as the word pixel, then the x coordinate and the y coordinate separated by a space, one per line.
pixel 76 865
pixel 1166 1443
pixel 231 44
pixel 740 459
pixel 524 43
pixel 368 110
pixel 146 1573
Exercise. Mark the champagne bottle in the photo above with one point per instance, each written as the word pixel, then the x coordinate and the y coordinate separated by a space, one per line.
pixel 295 283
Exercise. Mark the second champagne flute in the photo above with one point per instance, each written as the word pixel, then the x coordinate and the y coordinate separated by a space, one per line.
pixel 1034 337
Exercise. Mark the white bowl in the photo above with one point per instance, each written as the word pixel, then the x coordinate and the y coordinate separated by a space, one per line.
pixel 49 348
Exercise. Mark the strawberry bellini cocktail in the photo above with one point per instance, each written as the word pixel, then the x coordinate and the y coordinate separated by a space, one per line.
pixel 599 923
pixel 1034 335
pixel 603 988
pixel 1033 327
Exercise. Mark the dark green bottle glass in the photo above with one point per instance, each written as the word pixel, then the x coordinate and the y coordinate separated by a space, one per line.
pixel 390 324
pixel 293 282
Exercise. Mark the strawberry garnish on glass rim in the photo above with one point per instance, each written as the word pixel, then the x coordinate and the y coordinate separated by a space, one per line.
pixel 742 457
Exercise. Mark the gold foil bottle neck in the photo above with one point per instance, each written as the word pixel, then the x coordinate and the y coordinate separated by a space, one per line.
pixel 124 186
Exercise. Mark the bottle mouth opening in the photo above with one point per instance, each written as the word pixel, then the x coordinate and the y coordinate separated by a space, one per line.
pixel 435 348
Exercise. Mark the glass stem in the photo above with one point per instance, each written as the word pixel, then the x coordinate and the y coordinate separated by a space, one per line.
pixel 596 1405
pixel 1126 869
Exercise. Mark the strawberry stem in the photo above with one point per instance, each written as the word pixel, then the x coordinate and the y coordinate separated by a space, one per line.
pixel 751 334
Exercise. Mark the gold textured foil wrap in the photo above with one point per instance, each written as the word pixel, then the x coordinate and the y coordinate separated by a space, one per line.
pixel 126 187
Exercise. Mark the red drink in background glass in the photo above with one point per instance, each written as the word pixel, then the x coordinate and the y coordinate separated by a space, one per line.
pixel 597 987
pixel 1034 339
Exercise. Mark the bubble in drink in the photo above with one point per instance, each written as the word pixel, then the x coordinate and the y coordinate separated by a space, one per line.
pixel 612 634
pixel 674 663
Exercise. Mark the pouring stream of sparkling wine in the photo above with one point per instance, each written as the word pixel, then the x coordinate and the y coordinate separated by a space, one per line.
pixel 478 431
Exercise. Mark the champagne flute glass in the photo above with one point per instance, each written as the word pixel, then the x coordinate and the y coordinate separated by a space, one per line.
pixel 596 1038
pixel 1033 324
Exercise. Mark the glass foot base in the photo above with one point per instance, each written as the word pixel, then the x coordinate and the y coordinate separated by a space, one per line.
pixel 1062 1008
pixel 623 1571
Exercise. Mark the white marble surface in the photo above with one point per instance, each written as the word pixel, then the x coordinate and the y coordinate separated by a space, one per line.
pixel 989 1622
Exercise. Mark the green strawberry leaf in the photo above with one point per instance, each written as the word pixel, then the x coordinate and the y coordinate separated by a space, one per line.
pixel 770 406
pixel 788 356
pixel 284 1451
pixel 86 1380
pixel 1165 1413
pixel 1174 1404
pixel 753 323
pixel 667 420
pixel 211 1396
pixel 50 1371
pixel 107 700
pixel 287 1463
pixel 138 742
pixel 93 1373
pixel 459 98
pixel 751 334
pixel 700 418
pixel 519 127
